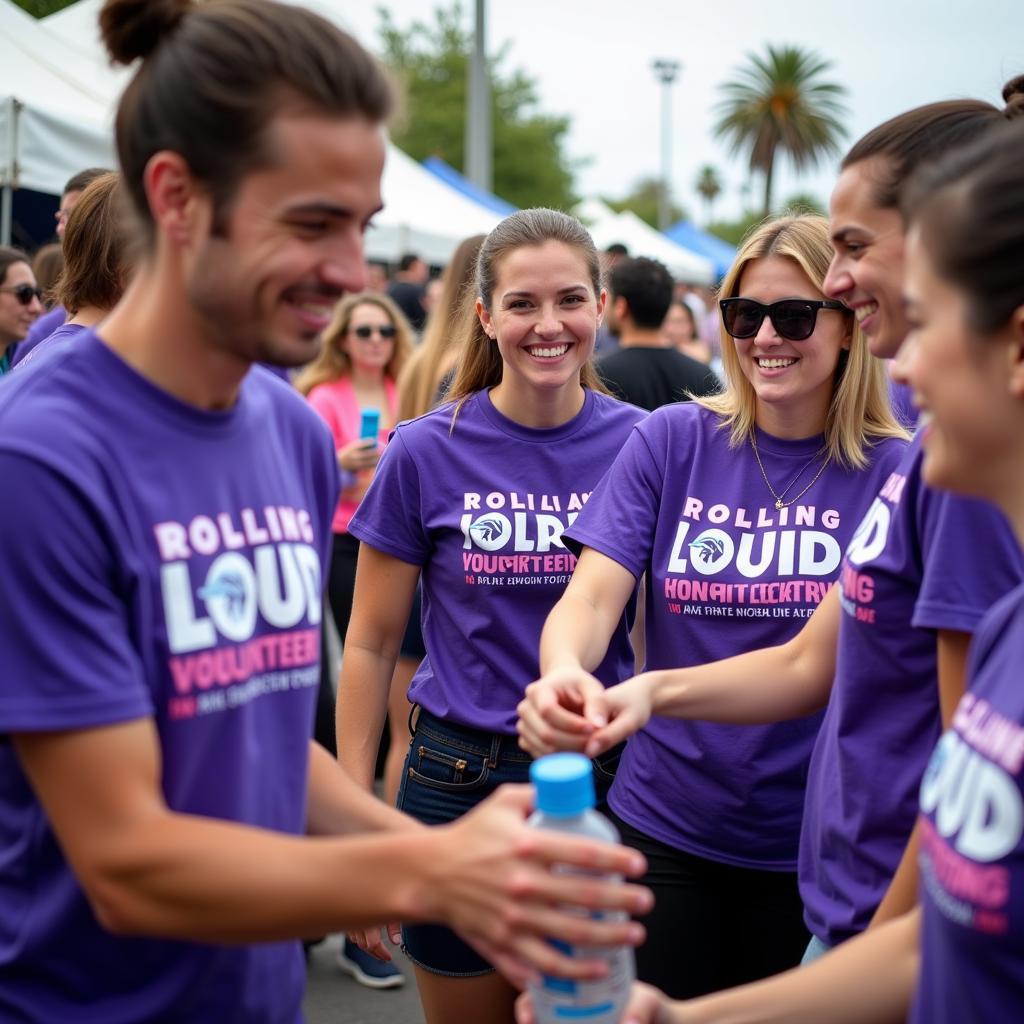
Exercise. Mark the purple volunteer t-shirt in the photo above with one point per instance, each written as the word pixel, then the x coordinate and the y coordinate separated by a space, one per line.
pixel 920 561
pixel 63 335
pixel 160 562
pixel 482 509
pixel 972 841
pixel 39 332
pixel 727 572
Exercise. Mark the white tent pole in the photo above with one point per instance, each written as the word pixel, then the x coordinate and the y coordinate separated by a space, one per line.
pixel 6 202
pixel 10 173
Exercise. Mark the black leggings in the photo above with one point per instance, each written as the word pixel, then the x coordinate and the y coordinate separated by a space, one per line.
pixel 713 925
pixel 341 585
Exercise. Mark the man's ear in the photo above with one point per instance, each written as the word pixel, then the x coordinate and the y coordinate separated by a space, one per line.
pixel 180 207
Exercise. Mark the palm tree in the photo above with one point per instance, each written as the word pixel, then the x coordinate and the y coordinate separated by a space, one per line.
pixel 782 102
pixel 709 185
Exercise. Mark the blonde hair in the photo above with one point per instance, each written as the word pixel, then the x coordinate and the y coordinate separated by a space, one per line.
pixel 333 361
pixel 421 376
pixel 480 364
pixel 859 413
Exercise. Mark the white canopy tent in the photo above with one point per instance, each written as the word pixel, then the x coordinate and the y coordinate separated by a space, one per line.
pixel 54 111
pixel 607 227
pixel 421 213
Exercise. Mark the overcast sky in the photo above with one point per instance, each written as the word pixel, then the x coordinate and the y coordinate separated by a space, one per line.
pixel 592 61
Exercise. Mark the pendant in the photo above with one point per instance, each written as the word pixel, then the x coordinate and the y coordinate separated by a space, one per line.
pixel 778 503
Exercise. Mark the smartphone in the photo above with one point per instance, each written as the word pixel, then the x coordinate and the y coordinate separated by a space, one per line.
pixel 369 425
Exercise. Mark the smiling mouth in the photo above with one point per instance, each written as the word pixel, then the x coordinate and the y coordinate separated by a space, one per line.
pixel 863 312
pixel 548 351
pixel 775 364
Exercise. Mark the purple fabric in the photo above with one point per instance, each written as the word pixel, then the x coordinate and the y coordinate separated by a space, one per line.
pixel 921 561
pixel 726 573
pixel 160 562
pixel 62 336
pixel 38 332
pixel 278 371
pixel 482 509
pixel 972 844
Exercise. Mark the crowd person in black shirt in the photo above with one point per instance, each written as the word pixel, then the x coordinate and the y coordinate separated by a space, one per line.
pixel 646 370
pixel 406 290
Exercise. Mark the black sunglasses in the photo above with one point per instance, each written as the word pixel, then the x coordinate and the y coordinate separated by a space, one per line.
pixel 24 293
pixel 793 319
pixel 364 331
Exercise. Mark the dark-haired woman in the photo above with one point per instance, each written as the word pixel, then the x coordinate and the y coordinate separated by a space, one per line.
pixel 20 301
pixel 960 958
pixel 887 648
pixel 96 264
pixel 475 496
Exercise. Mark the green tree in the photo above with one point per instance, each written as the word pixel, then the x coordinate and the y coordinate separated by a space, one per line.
pixel 430 62
pixel 643 201
pixel 734 231
pixel 781 102
pixel 709 186
pixel 41 8
pixel 805 202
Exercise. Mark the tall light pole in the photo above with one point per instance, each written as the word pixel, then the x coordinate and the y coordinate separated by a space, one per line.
pixel 665 71
pixel 479 144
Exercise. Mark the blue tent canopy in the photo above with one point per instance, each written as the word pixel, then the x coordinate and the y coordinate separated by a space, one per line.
pixel 452 177
pixel 722 254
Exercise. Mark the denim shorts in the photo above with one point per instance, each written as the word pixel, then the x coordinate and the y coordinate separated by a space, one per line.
pixel 448 771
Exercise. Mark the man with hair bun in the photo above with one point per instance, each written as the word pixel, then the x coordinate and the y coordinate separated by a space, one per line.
pixel 163 578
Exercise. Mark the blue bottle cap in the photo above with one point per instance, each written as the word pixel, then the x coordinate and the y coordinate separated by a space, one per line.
pixel 564 784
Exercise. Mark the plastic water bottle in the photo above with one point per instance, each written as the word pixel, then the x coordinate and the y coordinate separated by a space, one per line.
pixel 564 786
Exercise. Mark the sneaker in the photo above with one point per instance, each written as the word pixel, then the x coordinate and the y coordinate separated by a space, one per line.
pixel 366 969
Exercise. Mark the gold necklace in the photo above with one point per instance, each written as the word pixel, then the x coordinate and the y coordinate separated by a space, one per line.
pixel 779 503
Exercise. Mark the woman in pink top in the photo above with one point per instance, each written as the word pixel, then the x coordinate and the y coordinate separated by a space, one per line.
pixel 365 346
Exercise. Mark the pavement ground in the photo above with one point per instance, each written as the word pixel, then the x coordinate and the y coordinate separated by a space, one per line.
pixel 333 997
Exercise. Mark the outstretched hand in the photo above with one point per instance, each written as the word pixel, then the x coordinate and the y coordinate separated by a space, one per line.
pixel 569 709
pixel 492 881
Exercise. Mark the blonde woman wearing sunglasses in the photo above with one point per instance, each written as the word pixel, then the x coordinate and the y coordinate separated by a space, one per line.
pixel 735 509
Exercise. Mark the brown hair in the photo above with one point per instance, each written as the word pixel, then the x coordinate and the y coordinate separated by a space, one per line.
pixel 95 248
pixel 926 133
pixel 9 256
pixel 333 362
pixel 83 179
pixel 214 75
pixel 969 208
pixel 46 268
pixel 859 412
pixel 480 363
pixel 431 361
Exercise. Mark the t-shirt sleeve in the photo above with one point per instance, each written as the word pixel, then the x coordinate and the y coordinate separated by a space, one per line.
pixel 621 515
pixel 66 659
pixel 971 559
pixel 390 517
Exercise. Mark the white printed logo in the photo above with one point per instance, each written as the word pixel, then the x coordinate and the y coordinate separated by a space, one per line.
pixel 972 799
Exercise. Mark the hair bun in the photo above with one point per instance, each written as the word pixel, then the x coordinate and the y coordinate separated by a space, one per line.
pixel 1013 94
pixel 135 28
